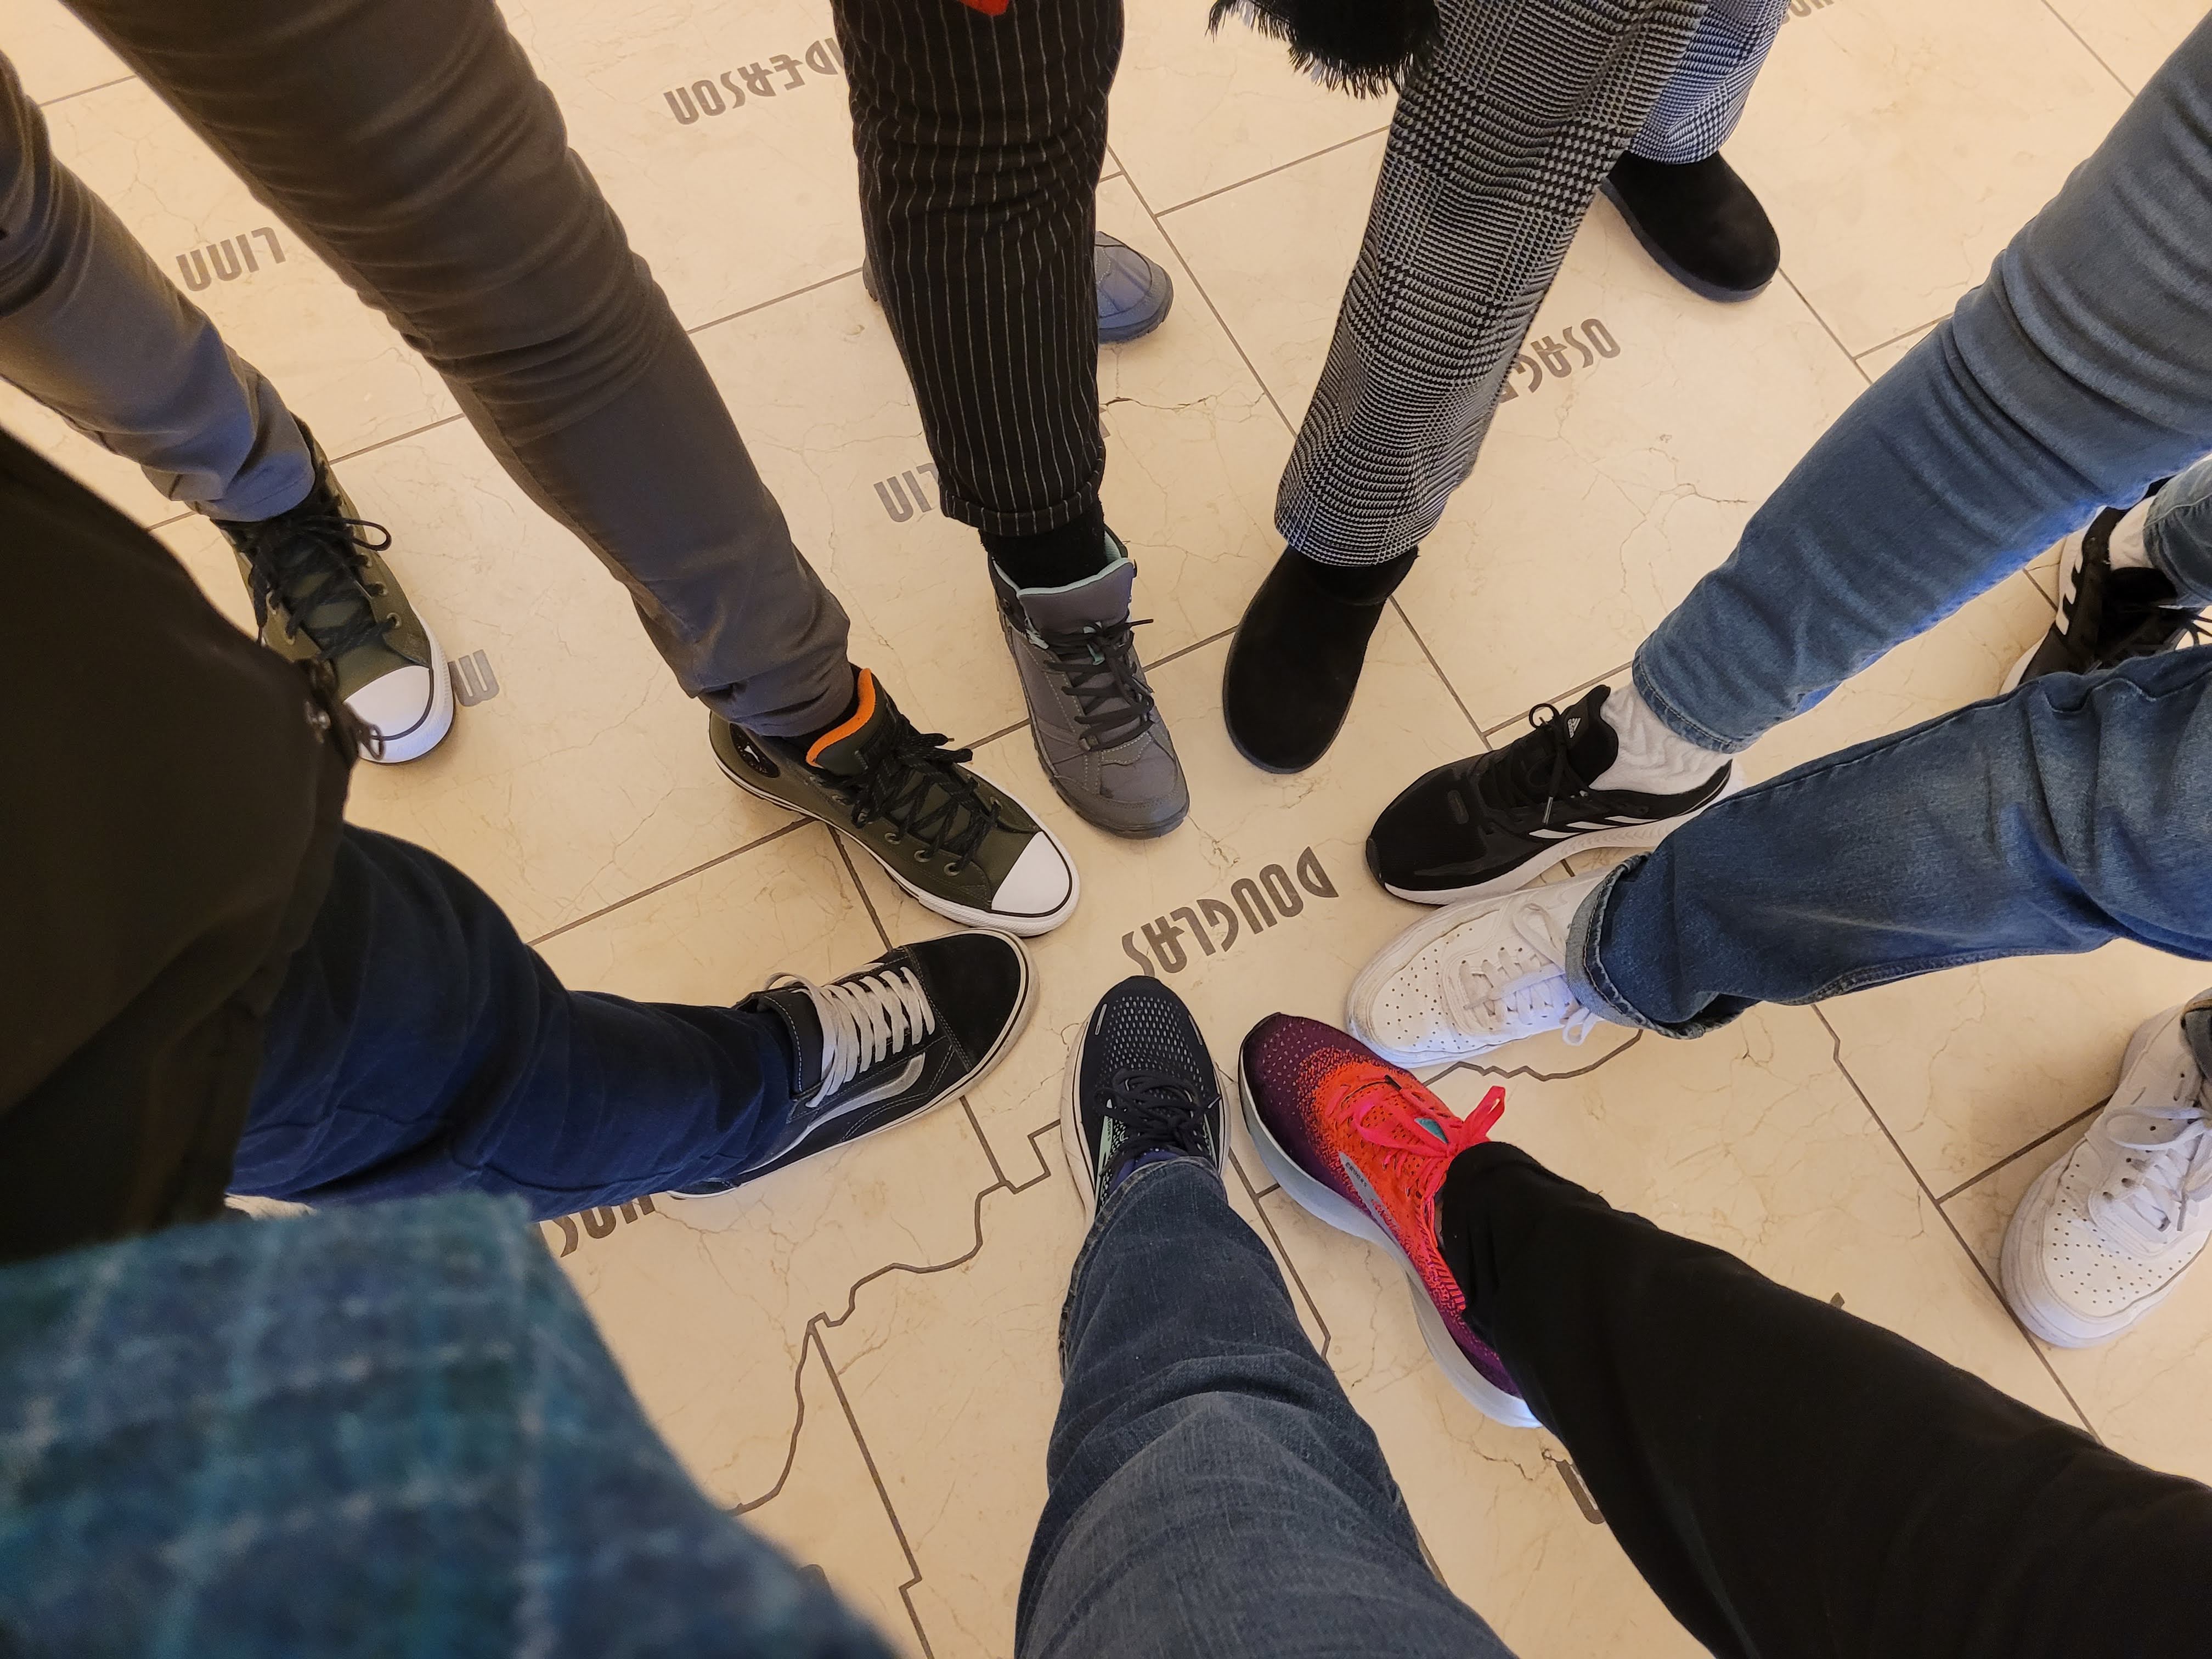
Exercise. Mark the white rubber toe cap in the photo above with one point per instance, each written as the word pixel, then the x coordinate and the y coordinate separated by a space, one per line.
pixel 410 708
pixel 1039 892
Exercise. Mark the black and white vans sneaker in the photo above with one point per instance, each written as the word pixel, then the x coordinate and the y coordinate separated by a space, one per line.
pixel 1494 823
pixel 2107 617
pixel 1140 1087
pixel 914 1028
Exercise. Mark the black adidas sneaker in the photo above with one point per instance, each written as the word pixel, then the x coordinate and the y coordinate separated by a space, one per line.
pixel 1139 1084
pixel 2107 617
pixel 914 1028
pixel 1496 822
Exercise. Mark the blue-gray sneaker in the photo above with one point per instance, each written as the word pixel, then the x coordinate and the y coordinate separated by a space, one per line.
pixel 1134 295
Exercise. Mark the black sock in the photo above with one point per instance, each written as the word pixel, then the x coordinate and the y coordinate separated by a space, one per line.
pixel 1362 583
pixel 1052 558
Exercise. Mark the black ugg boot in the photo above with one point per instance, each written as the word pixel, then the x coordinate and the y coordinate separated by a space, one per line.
pixel 1295 659
pixel 1700 222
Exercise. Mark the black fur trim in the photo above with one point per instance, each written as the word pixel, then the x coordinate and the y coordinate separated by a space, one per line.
pixel 1365 47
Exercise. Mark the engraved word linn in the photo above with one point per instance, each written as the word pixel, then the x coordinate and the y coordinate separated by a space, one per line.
pixel 597 1224
pixel 1551 360
pixel 229 259
pixel 1213 926
pixel 903 499
pixel 730 89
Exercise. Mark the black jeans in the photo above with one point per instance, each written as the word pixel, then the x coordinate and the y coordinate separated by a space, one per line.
pixel 419 1046
pixel 1794 1481
pixel 981 140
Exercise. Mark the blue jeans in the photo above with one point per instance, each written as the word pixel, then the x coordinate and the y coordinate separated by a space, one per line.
pixel 419 1046
pixel 1213 1492
pixel 2072 811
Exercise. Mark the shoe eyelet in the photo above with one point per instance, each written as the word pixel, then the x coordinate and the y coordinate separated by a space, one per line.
pixel 892 837
pixel 921 855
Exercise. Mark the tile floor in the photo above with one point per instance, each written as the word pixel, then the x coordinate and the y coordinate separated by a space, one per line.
pixel 858 1355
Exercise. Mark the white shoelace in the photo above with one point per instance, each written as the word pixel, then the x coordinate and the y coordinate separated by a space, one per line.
pixel 1520 983
pixel 2169 1178
pixel 866 1019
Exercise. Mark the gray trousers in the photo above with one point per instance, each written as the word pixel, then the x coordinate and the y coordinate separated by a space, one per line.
pixel 408 143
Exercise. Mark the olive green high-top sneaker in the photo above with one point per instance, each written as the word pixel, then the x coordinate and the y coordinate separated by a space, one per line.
pixel 321 590
pixel 960 845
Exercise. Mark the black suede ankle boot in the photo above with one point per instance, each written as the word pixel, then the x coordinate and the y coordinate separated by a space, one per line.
pixel 1295 659
pixel 1700 222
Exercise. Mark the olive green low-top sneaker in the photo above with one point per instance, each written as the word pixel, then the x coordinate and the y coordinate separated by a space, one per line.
pixel 322 591
pixel 960 845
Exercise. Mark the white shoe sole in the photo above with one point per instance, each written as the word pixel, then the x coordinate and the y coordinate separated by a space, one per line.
pixel 431 730
pixel 2020 1268
pixel 1631 837
pixel 1071 1131
pixel 1324 1203
pixel 967 915
pixel 2019 669
pixel 982 1069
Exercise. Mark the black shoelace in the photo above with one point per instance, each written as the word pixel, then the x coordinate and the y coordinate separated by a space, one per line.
pixel 1531 770
pixel 1099 667
pixel 309 559
pixel 1158 1111
pixel 910 778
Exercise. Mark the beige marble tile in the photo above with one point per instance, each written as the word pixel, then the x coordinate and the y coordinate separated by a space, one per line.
pixel 1194 113
pixel 1898 146
pixel 1886 356
pixel 1143 903
pixel 118 481
pixel 587 777
pixel 1750 1140
pixel 1274 255
pixel 2132 37
pixel 2143 1393
pixel 744 202
pixel 339 364
pixel 54 55
pixel 1193 454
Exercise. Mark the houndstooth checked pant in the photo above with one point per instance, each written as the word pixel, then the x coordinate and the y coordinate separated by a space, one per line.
pixel 1497 150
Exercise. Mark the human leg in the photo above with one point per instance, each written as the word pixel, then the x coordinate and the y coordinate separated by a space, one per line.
pixel 1501 138
pixel 980 136
pixel 1213 1491
pixel 418 1045
pixel 1792 1481
pixel 410 143
pixel 2039 400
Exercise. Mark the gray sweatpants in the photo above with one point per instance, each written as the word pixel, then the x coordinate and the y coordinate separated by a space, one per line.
pixel 408 143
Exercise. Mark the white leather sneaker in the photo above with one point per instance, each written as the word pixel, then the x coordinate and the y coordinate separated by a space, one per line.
pixel 1474 977
pixel 2105 1232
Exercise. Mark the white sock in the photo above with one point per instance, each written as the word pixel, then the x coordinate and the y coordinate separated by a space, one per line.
pixel 1654 759
pixel 2126 545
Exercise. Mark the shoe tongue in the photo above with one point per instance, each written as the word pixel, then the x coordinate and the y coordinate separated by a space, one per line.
pixel 1591 743
pixel 1096 601
pixel 843 751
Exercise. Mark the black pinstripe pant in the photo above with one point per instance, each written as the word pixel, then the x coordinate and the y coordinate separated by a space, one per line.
pixel 981 140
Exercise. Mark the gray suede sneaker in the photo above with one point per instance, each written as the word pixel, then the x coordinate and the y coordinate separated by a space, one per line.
pixel 1098 734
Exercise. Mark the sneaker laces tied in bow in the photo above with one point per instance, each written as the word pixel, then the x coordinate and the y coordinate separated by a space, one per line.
pixel 2170 1171
pixel 306 561
pixel 866 1019
pixel 900 776
pixel 1387 1117
pixel 1098 666
pixel 1535 770
pixel 1158 1111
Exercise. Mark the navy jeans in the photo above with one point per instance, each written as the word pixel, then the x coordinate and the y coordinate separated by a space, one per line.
pixel 419 1046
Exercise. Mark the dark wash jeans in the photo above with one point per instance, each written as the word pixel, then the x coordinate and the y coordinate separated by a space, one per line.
pixel 419 1046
